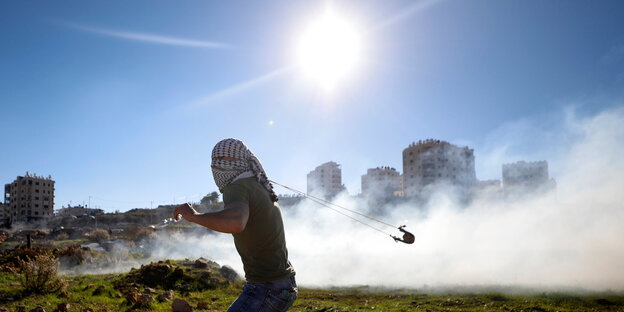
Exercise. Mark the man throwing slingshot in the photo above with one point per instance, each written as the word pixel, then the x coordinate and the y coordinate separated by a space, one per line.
pixel 253 217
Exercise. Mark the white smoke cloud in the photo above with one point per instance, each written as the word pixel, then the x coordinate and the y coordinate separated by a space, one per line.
pixel 567 238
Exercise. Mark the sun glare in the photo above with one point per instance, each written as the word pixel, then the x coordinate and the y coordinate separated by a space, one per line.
pixel 329 50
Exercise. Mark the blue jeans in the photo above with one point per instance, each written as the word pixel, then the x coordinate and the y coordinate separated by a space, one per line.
pixel 275 296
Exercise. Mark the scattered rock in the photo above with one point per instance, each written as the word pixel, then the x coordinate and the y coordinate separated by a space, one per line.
pixel 132 297
pixel 166 296
pixel 185 287
pixel 63 307
pixel 201 263
pixel 180 305
pixel 4 310
pixel 145 300
pixel 229 273
pixel 88 310
pixel 118 295
pixel 37 309
pixel 21 308
pixel 150 291
pixel 202 305
pixel 98 291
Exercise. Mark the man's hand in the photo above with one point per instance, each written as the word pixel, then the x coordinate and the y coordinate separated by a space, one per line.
pixel 185 210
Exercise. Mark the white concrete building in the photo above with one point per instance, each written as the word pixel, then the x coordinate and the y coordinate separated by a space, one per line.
pixel 432 162
pixel 325 180
pixel 30 197
pixel 78 211
pixel 526 176
pixel 382 182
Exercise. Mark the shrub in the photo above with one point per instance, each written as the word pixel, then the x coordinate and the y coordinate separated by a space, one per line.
pixel 62 236
pixel 138 233
pixel 75 253
pixel 99 235
pixel 39 274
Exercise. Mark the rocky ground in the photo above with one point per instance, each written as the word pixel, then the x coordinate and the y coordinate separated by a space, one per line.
pixel 204 285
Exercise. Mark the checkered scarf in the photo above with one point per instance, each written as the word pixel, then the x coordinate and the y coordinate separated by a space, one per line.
pixel 228 171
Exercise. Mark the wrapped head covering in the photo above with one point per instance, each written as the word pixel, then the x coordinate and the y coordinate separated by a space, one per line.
pixel 243 165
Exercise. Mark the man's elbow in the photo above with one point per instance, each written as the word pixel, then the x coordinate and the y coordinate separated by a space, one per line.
pixel 238 226
pixel 238 215
pixel 239 222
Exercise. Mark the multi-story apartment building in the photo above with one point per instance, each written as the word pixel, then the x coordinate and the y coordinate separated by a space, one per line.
pixel 526 176
pixel 382 182
pixel 29 198
pixel 432 161
pixel 3 215
pixel 325 180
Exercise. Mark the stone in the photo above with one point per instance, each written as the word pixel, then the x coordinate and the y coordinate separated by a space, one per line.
pixel 201 263
pixel 202 305
pixel 145 300
pixel 21 308
pixel 180 305
pixel 150 291
pixel 132 297
pixel 63 307
pixel 37 309
pixel 229 273
pixel 166 296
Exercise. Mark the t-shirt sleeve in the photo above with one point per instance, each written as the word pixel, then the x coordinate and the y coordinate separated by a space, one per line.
pixel 235 193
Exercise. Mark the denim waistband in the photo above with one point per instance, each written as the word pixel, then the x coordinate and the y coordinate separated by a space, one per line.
pixel 288 282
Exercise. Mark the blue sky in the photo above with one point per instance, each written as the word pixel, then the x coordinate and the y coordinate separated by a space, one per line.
pixel 123 101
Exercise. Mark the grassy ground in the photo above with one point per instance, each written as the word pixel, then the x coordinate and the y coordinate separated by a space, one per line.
pixel 80 295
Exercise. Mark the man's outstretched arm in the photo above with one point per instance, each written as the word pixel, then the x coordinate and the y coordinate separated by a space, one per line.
pixel 232 219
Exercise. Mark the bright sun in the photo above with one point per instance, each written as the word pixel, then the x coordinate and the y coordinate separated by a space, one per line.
pixel 329 49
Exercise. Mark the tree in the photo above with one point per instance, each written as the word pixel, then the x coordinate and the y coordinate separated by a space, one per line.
pixel 209 199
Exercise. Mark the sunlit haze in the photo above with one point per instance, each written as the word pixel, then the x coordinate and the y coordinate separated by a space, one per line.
pixel 329 49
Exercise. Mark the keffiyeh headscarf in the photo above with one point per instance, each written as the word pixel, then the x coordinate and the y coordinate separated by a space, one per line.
pixel 246 165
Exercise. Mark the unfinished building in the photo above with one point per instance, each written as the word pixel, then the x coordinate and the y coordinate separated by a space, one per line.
pixel 429 162
pixel 29 198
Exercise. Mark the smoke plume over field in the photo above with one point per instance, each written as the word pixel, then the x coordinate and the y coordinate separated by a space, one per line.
pixel 571 237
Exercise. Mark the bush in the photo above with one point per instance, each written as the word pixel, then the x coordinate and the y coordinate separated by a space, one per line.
pixel 138 233
pixel 75 253
pixel 99 235
pixel 39 274
pixel 62 236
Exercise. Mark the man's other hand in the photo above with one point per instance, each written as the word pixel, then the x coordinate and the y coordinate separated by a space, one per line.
pixel 185 210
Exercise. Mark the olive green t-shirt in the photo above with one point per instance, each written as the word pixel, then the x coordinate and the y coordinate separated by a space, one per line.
pixel 262 245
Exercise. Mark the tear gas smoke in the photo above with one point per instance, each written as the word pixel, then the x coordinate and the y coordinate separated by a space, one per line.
pixel 570 237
